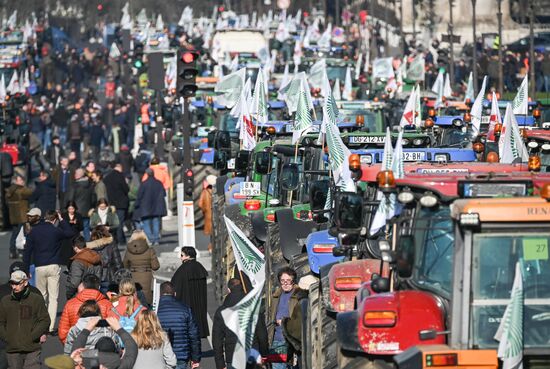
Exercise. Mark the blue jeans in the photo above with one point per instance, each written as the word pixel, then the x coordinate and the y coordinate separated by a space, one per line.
pixel 121 214
pixel 151 226
pixel 86 228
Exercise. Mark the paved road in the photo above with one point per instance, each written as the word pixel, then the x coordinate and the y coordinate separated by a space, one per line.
pixel 169 260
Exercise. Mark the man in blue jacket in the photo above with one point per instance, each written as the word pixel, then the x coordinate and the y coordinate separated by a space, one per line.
pixel 150 206
pixel 178 321
pixel 43 246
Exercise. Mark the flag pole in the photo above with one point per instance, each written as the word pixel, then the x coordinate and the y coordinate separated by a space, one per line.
pixel 241 278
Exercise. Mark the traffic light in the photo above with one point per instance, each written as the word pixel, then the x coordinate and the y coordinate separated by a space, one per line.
pixel 187 73
pixel 188 185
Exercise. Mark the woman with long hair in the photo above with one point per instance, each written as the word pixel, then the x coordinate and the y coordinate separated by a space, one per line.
pixel 74 218
pixel 128 302
pixel 154 348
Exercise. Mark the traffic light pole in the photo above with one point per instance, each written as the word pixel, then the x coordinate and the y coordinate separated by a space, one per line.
pixel 186 130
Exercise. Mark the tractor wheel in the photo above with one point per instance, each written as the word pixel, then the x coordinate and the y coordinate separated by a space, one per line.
pixel 274 259
pixel 200 173
pixel 306 335
pixel 313 328
pixel 300 263
pixel 327 333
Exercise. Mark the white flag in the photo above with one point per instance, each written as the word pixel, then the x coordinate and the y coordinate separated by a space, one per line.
pixel 417 70
pixel 13 86
pixel 418 108
pixel 347 93
pixel 160 23
pixel 230 86
pixel 407 118
pixel 358 66
pixel 317 73
pixel 439 83
pixel 510 330
pixel 246 127
pixel 302 121
pixel 114 52
pixel 2 89
pixel 259 100
pixel 284 81
pixel 291 92
pixel 234 64
pixel 469 88
pixel 336 90
pixel 382 68
pixel 511 145
pixel 521 101
pixel 447 91
pixel 338 152
pixel 494 118
pixel 477 108
pixel 243 316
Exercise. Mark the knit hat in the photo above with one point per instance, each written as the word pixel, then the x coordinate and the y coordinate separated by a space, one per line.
pixel 60 362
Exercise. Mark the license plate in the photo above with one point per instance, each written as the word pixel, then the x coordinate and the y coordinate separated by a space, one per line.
pixel 250 189
pixel 367 139
pixel 231 164
pixel 414 156
pixel 485 119
pixel 441 170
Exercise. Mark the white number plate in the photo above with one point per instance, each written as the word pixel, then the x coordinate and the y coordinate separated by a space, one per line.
pixel 250 189
pixel 441 170
pixel 231 164
pixel 367 139
pixel 485 119
pixel 414 156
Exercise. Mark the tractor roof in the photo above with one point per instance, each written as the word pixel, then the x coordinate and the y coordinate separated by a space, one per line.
pixel 518 209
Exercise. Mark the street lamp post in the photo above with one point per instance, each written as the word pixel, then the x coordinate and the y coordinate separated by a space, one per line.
pixel 500 61
pixel 474 51
pixel 532 85
pixel 451 41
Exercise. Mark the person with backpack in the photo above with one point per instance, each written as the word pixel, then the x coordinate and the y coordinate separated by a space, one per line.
pixel 85 261
pixel 88 290
pixel 111 261
pixel 127 308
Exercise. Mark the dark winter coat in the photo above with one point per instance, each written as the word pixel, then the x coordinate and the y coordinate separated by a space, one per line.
pixel 44 243
pixel 125 158
pixel 111 220
pixel 44 196
pixel 82 193
pixel 224 340
pixel 150 199
pixel 22 321
pixel 190 286
pixel 117 190
pixel 57 176
pixel 141 260
pixel 178 322
pixel 53 153
pixel 85 262
pixel 77 225
pixel 275 305
pixel 110 257
pixel 17 199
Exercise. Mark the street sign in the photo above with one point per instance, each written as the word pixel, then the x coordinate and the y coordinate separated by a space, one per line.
pixel 446 38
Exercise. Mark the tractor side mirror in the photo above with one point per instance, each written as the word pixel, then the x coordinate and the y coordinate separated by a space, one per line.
pixel 263 162
pixel 241 161
pixel 223 140
pixel 404 256
pixel 318 192
pixel 290 177
pixel 348 212
pixel 220 160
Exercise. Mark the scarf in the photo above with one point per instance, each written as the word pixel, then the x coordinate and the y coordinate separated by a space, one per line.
pixel 103 215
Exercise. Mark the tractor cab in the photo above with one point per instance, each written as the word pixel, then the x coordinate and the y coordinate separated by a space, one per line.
pixel 491 236
pixel 419 247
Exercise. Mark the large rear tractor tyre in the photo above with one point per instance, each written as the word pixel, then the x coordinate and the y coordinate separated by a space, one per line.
pixel 300 263
pixel 274 261
pixel 313 328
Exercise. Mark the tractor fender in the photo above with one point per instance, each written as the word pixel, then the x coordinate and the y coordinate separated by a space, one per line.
pixel 346 331
pixel 220 183
pixel 259 225
pixel 292 230
pixel 233 212
pixel 232 186
pixel 343 299
pixel 324 273
pixel 414 311
pixel 316 259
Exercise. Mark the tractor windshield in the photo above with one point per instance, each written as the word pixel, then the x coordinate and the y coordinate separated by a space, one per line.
pixel 270 184
pixel 453 137
pixel 434 256
pixel 228 123
pixel 494 257
pixel 352 116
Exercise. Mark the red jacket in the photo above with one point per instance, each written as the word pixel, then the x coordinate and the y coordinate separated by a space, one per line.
pixel 120 306
pixel 69 317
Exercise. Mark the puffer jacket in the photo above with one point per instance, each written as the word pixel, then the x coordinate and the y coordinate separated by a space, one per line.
pixel 69 317
pixel 141 260
pixel 111 260
pixel 178 322
pixel 85 262
pixel 92 339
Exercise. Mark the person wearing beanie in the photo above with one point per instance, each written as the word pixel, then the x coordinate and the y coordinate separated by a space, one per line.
pixel 24 320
